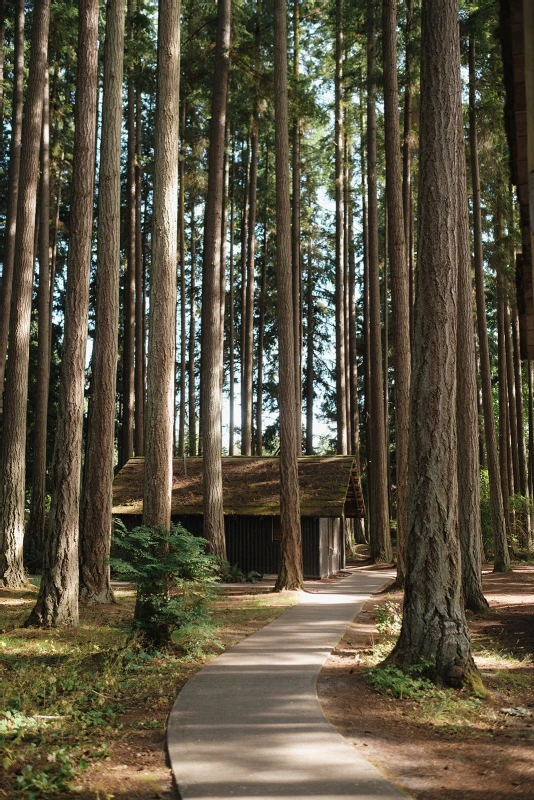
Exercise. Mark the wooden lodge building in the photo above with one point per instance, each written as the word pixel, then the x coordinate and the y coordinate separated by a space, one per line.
pixel 329 490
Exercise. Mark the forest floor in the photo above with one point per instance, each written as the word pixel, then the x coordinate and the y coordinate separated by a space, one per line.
pixel 439 743
pixel 83 711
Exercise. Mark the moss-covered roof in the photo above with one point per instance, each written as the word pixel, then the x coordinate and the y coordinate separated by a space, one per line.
pixel 329 486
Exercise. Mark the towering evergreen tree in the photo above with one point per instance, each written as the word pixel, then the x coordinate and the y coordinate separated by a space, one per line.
pixel 498 519
pixel 13 189
pixel 36 525
pixel 211 293
pixel 290 575
pixel 57 603
pixel 381 550
pixel 400 284
pixel 434 626
pixel 13 452
pixel 96 502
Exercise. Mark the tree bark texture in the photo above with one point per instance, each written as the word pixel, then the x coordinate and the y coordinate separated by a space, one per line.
pixel 400 281
pixel 13 453
pixel 211 294
pixel 246 413
pixel 498 518
pixel 181 255
pixel 290 575
pixel 261 321
pixel 470 529
pixel 128 345
pixel 139 405
pixel 510 382
pixel 192 339
pixel 434 628
pixel 341 387
pixel 36 525
pixel 310 326
pixel 13 189
pixel 380 538
pixel 295 230
pixel 161 346
pixel 57 603
pixel 407 157
pixel 231 310
pixel 96 503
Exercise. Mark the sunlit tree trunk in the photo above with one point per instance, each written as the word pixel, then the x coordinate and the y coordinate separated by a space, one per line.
pixel 211 295
pixel 13 452
pixel 381 550
pixel 290 574
pixel 96 502
pixel 341 388
pixel 295 229
pixel 161 343
pixel 57 603
pixel 434 627
pixel 400 282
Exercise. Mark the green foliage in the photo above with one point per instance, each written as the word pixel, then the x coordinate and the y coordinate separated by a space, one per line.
pixel 400 683
pixel 173 573
pixel 231 573
pixel 389 619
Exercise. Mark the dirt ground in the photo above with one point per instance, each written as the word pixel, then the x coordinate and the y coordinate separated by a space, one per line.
pixel 485 754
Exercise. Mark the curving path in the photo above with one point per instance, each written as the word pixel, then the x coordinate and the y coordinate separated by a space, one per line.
pixel 249 725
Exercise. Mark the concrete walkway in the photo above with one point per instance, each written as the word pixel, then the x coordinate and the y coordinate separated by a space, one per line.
pixel 249 725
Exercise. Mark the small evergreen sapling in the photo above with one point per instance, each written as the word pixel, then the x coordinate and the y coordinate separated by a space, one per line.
pixel 173 573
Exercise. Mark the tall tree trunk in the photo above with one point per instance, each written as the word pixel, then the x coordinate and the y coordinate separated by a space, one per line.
pixel 139 405
pixel 96 502
pixel 2 58
pixel 161 346
pixel 504 430
pixel 57 603
pixel 530 366
pixel 381 550
pixel 13 190
pixel 469 522
pixel 192 339
pixel 128 364
pixel 261 321
pixel 407 159
pixel 211 291
pixel 310 325
pixel 439 634
pixel 183 337
pixel 365 322
pixel 231 310
pixel 353 355
pixel 243 292
pixel 36 525
pixel 246 395
pixel 13 453
pixel 295 229
pixel 400 280
pixel 523 473
pixel 347 299
pixel 290 575
pixel 224 246
pixel 341 388
pixel 498 519
pixel 510 382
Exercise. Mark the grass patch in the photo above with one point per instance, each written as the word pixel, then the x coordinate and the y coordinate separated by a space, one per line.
pixel 70 697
